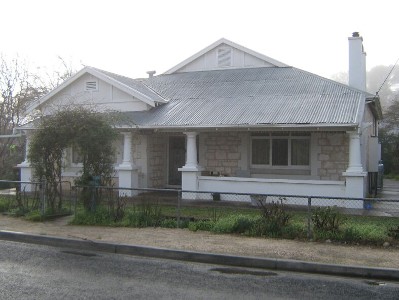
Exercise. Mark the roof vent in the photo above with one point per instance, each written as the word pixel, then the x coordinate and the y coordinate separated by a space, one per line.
pixel 224 57
pixel 151 73
pixel 91 86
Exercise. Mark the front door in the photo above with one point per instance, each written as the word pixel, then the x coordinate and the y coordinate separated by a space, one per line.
pixel 177 158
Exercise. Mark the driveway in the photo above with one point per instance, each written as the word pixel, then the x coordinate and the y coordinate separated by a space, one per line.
pixel 390 189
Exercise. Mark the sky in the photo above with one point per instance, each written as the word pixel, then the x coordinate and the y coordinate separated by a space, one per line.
pixel 133 37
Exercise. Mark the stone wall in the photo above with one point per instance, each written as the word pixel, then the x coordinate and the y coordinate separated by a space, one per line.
pixel 333 155
pixel 222 152
pixel 157 160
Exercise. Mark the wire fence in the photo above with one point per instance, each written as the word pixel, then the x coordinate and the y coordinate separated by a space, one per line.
pixel 22 197
pixel 175 207
pixel 185 206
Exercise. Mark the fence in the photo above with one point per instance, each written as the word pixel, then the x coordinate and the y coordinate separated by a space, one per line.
pixel 185 206
pixel 22 197
pixel 174 207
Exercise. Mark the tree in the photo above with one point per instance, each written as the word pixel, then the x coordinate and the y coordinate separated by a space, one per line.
pixel 16 92
pixel 89 132
pixel 19 88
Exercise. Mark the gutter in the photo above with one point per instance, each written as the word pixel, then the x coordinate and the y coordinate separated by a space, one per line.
pixel 247 127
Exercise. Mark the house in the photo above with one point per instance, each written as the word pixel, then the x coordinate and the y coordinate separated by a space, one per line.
pixel 229 119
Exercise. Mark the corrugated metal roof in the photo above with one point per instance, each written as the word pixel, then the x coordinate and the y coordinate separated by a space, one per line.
pixel 134 84
pixel 250 96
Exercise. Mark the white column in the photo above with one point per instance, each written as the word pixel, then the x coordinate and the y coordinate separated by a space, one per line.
pixel 26 171
pixel 27 145
pixel 355 176
pixel 127 149
pixel 191 145
pixel 355 161
pixel 127 171
pixel 191 170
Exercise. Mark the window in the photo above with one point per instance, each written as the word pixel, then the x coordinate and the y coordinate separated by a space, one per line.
pixel 260 151
pixel 280 150
pixel 77 157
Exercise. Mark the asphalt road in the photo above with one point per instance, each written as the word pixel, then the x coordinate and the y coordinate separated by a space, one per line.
pixel 40 272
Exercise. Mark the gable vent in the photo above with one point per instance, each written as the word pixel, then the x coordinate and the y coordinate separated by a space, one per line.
pixel 224 57
pixel 91 86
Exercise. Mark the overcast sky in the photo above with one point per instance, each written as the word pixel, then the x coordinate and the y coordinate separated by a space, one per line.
pixel 132 37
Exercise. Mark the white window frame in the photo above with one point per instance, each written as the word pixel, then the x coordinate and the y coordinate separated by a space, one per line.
pixel 288 137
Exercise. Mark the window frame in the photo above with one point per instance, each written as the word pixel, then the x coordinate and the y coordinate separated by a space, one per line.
pixel 270 136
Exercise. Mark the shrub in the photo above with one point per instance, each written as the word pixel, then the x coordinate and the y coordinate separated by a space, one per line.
pixel 172 223
pixel 273 219
pixel 204 225
pixel 234 224
pixel 99 217
pixel 143 216
pixel 394 232
pixel 117 208
pixel 4 204
pixel 35 216
pixel 327 219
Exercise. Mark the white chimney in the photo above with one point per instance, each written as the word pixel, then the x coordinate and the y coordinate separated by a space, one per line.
pixel 357 62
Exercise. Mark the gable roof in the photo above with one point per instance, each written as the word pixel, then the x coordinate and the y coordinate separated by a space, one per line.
pixel 128 85
pixel 252 97
pixel 231 44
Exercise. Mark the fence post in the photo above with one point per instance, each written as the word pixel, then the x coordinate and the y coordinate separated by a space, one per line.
pixel 76 199
pixel 310 218
pixel 178 207
pixel 43 197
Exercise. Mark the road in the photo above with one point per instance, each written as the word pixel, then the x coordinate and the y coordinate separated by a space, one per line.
pixel 40 272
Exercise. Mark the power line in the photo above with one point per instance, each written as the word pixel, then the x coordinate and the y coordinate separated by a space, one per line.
pixel 386 78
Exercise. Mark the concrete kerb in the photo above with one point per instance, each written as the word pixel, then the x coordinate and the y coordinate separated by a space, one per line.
pixel 209 258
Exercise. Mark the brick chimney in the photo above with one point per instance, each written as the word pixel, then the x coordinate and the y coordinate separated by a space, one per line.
pixel 357 62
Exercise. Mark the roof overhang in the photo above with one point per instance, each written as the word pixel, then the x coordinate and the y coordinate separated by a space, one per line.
pixel 246 127
pixel 101 76
pixel 375 106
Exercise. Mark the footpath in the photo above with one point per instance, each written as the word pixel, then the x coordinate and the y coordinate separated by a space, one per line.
pixel 205 247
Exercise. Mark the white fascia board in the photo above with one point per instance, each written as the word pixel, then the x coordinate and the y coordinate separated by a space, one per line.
pixel 123 87
pixel 54 91
pixel 279 127
pixel 229 43
pixel 99 75
pixel 360 109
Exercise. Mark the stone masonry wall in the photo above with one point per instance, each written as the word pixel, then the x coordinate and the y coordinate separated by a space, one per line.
pixel 157 151
pixel 222 152
pixel 333 156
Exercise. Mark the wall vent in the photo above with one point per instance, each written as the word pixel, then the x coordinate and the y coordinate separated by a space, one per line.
pixel 224 57
pixel 91 86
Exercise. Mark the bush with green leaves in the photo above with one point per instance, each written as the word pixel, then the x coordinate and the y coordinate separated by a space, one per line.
pixel 202 225
pixel 327 219
pixel 87 131
pixel 145 215
pixel 100 217
pixel 274 218
pixel 235 223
